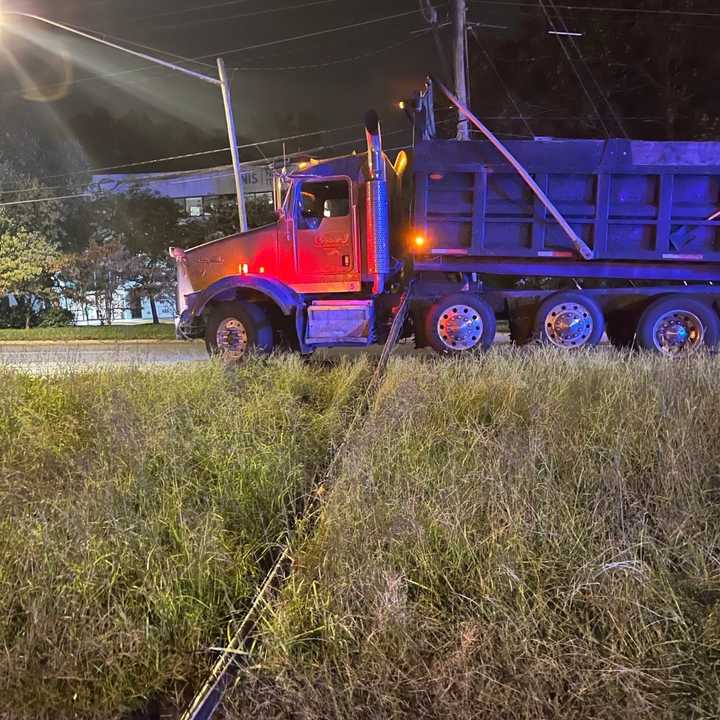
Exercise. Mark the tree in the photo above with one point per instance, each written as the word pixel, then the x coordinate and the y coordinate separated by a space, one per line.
pixel 27 264
pixel 30 233
pixel 628 73
pixel 147 225
pixel 223 221
pixel 33 229
pixel 96 276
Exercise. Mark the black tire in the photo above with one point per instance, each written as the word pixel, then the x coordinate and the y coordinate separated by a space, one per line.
pixel 522 323
pixel 685 316
pixel 621 328
pixel 585 315
pixel 478 319
pixel 254 332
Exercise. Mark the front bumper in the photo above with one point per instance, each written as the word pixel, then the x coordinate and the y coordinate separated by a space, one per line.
pixel 188 327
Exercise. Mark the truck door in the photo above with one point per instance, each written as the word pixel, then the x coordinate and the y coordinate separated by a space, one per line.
pixel 326 236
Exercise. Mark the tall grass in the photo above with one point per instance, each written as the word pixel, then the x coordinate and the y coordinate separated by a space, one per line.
pixel 136 511
pixel 529 535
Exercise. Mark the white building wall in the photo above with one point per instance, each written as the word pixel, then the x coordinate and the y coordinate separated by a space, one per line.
pixel 122 312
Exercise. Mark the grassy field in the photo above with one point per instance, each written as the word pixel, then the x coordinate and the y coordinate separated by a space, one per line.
pixel 164 331
pixel 136 512
pixel 524 536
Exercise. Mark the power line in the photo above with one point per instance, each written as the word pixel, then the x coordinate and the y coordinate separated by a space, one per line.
pixel 186 156
pixel 142 46
pixel 577 49
pixel 508 92
pixel 245 68
pixel 576 71
pixel 17 191
pixel 316 33
pixel 586 8
pixel 319 148
pixel 327 63
pixel 330 63
pixel 229 52
pixel 187 11
pixel 203 153
pixel 256 13
pixel 47 199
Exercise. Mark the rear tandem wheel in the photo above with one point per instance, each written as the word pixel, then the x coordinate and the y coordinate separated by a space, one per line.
pixel 570 320
pixel 677 325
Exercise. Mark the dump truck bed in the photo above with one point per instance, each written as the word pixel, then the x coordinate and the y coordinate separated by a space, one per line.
pixel 628 200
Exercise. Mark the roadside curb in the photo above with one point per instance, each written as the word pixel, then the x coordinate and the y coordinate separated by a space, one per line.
pixel 65 343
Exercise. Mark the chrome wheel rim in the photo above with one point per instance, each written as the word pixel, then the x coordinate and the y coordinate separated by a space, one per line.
pixel 460 327
pixel 678 331
pixel 569 325
pixel 231 339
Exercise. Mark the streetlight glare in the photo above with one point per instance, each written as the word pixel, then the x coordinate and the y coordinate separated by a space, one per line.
pixel 222 82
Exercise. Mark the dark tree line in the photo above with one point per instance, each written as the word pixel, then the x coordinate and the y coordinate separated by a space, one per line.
pixel 86 249
pixel 644 75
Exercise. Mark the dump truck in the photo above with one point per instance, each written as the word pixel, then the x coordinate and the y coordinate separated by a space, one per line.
pixel 569 241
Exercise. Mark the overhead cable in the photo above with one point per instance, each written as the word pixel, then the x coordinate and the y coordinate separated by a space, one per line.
pixel 600 90
pixel 575 70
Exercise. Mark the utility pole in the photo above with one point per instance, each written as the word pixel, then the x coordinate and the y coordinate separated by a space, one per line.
pixel 226 87
pixel 459 28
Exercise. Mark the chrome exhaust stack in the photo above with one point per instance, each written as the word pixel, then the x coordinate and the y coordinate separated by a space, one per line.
pixel 377 208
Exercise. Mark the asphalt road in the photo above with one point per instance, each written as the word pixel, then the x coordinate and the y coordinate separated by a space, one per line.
pixel 58 357
pixel 41 357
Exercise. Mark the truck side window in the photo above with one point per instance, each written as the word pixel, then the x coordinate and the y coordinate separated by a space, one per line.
pixel 319 200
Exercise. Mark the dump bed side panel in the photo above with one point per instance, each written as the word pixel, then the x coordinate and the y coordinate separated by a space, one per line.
pixel 627 200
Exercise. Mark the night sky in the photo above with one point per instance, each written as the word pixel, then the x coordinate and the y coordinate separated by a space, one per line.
pixel 330 80
pixel 270 102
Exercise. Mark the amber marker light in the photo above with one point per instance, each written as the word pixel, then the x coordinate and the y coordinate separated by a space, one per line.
pixel 419 241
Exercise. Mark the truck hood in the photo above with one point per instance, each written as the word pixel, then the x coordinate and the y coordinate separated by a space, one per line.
pixel 252 252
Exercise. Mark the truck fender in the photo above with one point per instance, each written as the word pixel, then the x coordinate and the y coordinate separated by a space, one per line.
pixel 282 295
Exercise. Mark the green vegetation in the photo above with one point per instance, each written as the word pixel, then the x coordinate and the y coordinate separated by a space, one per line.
pixel 136 512
pixel 529 535
pixel 113 333
pixel 524 535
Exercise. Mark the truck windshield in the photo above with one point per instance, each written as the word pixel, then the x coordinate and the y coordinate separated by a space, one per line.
pixel 319 200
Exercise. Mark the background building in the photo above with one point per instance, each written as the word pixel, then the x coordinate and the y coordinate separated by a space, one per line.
pixel 197 191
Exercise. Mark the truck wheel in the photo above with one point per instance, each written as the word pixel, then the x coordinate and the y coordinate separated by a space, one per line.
pixel 460 323
pixel 236 328
pixel 570 320
pixel 676 325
